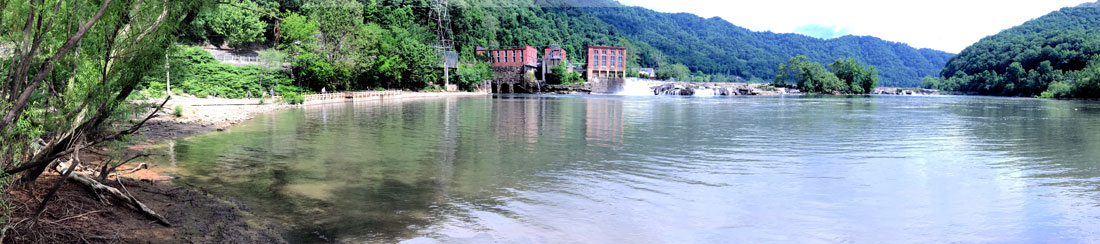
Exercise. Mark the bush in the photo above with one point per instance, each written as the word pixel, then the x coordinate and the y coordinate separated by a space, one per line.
pixel 178 111
pixel 293 97
pixel 1057 90
pixel 194 71
pixel 469 76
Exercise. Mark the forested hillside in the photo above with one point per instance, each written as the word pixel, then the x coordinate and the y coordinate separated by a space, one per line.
pixel 717 46
pixel 361 44
pixel 1057 55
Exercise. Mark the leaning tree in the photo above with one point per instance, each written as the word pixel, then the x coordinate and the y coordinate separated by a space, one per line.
pixel 66 68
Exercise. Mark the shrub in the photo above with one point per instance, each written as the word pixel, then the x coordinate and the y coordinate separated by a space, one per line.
pixel 1057 89
pixel 178 111
pixel 293 97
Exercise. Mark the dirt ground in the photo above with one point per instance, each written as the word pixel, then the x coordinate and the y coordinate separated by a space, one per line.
pixel 76 216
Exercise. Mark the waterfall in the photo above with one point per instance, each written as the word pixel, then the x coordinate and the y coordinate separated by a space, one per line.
pixel 706 92
pixel 636 87
pixel 644 87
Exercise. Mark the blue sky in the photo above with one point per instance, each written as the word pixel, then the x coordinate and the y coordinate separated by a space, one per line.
pixel 948 25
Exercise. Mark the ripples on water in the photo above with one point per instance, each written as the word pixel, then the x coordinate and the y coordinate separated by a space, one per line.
pixel 568 169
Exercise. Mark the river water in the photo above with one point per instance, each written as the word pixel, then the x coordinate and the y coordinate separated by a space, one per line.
pixel 614 169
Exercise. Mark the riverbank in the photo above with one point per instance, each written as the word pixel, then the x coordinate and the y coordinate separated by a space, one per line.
pixel 196 216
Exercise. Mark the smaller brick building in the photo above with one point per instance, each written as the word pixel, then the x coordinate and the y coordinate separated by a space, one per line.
pixel 554 55
pixel 606 62
pixel 511 56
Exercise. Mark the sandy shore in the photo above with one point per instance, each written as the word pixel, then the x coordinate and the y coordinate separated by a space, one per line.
pixel 196 216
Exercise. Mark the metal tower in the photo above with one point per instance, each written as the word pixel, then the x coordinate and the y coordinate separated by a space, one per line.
pixel 444 42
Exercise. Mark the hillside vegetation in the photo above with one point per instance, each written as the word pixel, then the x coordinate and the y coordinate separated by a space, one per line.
pixel 1057 55
pixel 715 46
pixel 369 44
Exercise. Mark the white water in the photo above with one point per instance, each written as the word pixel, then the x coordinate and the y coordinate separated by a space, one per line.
pixel 636 87
pixel 640 87
pixel 706 92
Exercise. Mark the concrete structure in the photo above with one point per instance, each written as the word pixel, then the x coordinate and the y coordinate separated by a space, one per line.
pixel 510 57
pixel 515 79
pixel 553 56
pixel 513 69
pixel 605 62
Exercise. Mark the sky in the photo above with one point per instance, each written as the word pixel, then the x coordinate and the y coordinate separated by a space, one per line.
pixel 947 25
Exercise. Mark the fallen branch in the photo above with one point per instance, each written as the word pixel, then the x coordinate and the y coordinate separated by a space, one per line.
pixel 104 192
pixel 107 171
pixel 139 167
pixel 76 216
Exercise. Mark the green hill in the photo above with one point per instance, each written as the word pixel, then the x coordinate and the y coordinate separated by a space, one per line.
pixel 717 46
pixel 1057 52
pixel 356 44
pixel 710 46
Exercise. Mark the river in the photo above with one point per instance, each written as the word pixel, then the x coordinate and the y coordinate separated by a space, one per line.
pixel 620 169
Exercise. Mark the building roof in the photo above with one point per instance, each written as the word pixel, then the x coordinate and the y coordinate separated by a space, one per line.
pixel 497 49
pixel 607 47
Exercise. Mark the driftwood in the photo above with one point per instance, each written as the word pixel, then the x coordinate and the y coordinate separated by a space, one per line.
pixel 105 192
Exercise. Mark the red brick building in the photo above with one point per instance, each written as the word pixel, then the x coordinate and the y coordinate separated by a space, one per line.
pixel 511 56
pixel 554 53
pixel 606 62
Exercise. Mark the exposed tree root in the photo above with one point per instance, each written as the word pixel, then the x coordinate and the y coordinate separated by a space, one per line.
pixel 104 192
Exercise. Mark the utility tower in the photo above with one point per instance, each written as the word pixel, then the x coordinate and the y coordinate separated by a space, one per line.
pixel 444 41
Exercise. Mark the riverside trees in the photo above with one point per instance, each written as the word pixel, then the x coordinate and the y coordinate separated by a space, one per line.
pixel 1056 55
pixel 71 68
pixel 843 76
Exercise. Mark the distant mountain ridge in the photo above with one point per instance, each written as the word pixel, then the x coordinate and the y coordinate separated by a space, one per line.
pixel 710 46
pixel 715 45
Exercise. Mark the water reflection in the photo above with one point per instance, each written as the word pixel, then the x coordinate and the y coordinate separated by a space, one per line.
pixel 550 169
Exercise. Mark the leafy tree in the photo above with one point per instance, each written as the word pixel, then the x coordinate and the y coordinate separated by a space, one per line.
pixel 857 78
pixel 850 76
pixel 930 82
pixel 337 21
pixel 559 74
pixel 469 76
pixel 677 72
pixel 236 21
pixel 299 33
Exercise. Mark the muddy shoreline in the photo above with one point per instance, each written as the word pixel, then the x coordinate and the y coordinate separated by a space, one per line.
pixel 197 216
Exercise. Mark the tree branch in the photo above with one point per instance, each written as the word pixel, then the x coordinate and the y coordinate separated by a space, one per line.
pixel 47 159
pixel 25 96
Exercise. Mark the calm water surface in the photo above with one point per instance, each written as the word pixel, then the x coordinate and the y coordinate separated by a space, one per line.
pixel 594 169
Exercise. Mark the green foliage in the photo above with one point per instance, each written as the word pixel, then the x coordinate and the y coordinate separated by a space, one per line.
pixel 560 75
pixel 469 76
pixel 293 97
pixel 238 25
pixel 714 46
pixel 1030 59
pixel 847 76
pixel 857 78
pixel 196 72
pixel 930 82
pixel 1058 90
pixel 178 111
pixel 678 72
pixel 299 33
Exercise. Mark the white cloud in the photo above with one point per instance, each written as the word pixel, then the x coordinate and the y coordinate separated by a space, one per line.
pixel 948 25
pixel 821 31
